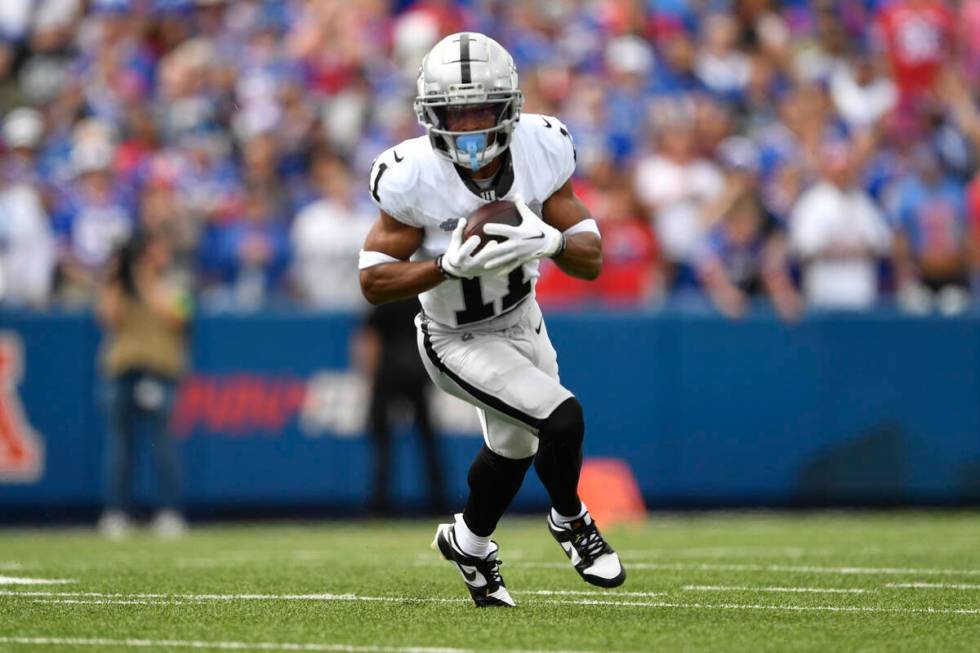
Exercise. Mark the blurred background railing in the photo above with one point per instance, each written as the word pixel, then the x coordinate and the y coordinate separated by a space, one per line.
pixel 741 157
pixel 840 409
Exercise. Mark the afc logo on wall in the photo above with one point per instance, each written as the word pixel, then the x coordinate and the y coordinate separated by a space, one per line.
pixel 21 449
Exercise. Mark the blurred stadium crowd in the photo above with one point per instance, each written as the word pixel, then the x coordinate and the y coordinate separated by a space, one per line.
pixel 820 153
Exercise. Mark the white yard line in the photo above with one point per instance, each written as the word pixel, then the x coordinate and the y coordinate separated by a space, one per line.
pixel 229 558
pixel 115 596
pixel 35 593
pixel 236 597
pixel 802 569
pixel 610 601
pixel 16 580
pixel 655 554
pixel 606 593
pixel 788 590
pixel 110 601
pixel 934 586
pixel 247 646
pixel 790 608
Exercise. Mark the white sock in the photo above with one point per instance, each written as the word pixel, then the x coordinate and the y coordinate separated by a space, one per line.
pixel 470 543
pixel 562 519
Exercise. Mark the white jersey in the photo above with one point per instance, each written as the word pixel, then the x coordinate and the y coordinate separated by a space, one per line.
pixel 417 187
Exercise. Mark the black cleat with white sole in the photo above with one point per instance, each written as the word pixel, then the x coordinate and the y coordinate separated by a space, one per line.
pixel 481 575
pixel 590 554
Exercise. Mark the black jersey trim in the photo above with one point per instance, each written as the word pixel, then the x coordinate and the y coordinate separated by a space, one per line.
pixel 483 397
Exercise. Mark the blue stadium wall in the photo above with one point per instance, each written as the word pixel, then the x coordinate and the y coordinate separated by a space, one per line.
pixel 838 410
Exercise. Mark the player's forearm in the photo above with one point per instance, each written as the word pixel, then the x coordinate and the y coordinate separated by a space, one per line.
pixel 582 257
pixel 391 281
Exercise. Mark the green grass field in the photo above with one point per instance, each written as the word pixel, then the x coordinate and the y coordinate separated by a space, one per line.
pixel 729 582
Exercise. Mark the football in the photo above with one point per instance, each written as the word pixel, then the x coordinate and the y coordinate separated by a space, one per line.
pixel 500 212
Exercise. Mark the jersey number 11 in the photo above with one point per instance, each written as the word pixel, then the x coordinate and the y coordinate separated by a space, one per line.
pixel 475 310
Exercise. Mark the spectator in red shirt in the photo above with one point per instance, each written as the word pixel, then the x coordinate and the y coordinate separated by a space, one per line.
pixel 630 273
pixel 557 290
pixel 917 36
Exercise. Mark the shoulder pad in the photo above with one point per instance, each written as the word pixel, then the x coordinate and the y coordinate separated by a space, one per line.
pixel 552 136
pixel 393 179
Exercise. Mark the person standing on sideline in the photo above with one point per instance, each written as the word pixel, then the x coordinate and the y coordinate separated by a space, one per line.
pixel 389 357
pixel 145 320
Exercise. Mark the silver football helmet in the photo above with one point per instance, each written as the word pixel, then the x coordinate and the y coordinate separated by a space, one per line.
pixel 465 71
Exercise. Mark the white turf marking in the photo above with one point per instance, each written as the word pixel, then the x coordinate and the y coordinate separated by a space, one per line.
pixel 802 569
pixel 408 599
pixel 110 601
pixel 791 608
pixel 240 646
pixel 934 586
pixel 238 597
pixel 606 593
pixel 14 580
pixel 789 590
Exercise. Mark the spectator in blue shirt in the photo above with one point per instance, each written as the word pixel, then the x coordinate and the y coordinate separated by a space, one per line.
pixel 743 255
pixel 249 256
pixel 94 214
pixel 675 71
pixel 932 244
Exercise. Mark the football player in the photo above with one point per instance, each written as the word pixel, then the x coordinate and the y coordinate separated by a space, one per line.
pixel 480 333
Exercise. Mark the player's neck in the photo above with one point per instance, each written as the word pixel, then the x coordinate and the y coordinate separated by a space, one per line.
pixel 486 172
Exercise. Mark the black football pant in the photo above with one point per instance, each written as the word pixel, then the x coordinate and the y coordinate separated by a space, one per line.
pixel 414 392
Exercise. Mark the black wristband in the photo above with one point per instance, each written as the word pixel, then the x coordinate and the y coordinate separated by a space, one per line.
pixel 561 248
pixel 446 274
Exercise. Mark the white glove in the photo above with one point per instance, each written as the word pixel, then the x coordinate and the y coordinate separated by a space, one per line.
pixel 459 261
pixel 532 239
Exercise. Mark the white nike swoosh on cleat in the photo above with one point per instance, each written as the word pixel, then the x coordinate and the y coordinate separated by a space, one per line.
pixel 472 577
pixel 571 552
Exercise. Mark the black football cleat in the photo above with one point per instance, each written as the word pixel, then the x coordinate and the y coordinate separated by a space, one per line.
pixel 590 554
pixel 481 575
